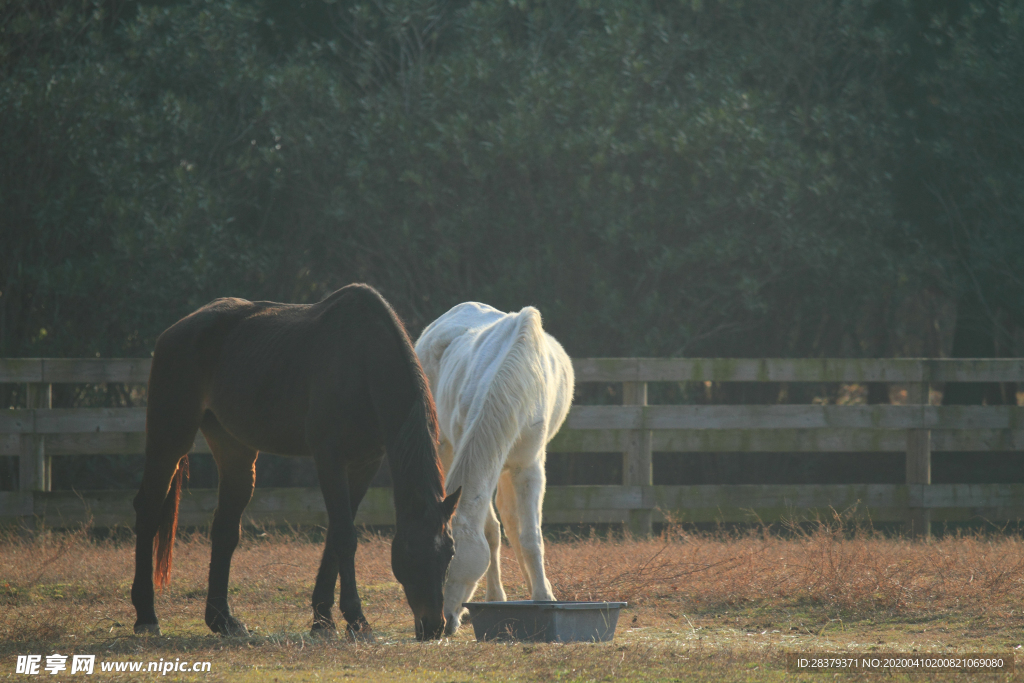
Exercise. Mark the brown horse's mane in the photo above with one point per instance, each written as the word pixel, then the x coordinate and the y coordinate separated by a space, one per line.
pixel 401 453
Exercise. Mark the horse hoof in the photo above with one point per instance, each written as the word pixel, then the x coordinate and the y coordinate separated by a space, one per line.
pixel 230 627
pixel 363 635
pixel 325 631
pixel 147 629
pixel 238 629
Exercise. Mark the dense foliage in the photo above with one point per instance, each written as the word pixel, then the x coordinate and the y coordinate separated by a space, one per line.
pixel 726 177
pixel 660 178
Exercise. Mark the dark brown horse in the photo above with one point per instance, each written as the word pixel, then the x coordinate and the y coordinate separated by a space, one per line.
pixel 338 381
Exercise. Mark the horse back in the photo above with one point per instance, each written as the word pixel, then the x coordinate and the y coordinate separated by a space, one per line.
pixel 184 362
pixel 494 368
pixel 271 373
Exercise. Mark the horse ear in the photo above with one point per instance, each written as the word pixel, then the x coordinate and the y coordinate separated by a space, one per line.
pixel 449 504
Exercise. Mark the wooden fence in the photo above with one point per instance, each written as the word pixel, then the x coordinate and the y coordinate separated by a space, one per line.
pixel 38 432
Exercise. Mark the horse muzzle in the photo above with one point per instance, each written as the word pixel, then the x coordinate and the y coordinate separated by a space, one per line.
pixel 430 628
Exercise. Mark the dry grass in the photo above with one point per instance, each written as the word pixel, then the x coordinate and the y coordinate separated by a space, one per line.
pixel 703 606
pixel 863 574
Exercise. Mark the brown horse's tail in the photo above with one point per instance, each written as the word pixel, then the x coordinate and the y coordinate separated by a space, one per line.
pixel 163 542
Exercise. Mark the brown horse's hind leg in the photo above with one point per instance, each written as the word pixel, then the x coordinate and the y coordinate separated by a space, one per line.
pixel 172 420
pixel 156 504
pixel 236 467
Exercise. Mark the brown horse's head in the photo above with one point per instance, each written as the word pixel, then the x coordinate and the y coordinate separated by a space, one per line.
pixel 420 554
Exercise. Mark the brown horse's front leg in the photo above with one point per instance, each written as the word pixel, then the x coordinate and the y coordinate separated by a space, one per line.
pixel 326 579
pixel 348 599
pixel 339 555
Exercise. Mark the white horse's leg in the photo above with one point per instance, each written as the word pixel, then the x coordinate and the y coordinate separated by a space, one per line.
pixel 526 470
pixel 472 553
pixel 529 487
pixel 492 530
pixel 509 510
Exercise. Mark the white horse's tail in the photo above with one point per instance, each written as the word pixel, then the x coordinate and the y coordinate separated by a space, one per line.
pixel 506 406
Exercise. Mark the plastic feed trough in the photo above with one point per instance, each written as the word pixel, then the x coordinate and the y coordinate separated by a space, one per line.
pixel 545 621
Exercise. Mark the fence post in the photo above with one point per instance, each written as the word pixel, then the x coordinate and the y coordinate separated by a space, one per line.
pixel 919 465
pixel 637 469
pixel 35 471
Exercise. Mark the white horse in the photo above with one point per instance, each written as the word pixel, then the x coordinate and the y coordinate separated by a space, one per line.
pixel 503 388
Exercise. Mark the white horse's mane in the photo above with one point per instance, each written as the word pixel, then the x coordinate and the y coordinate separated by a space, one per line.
pixel 505 405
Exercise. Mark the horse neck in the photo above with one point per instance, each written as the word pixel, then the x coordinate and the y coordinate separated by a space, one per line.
pixel 412 456
pixel 411 502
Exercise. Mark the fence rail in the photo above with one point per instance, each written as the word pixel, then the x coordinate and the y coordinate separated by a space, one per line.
pixel 897 370
pixel 37 432
pixel 882 503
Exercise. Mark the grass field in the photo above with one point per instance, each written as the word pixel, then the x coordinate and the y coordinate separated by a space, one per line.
pixel 724 606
